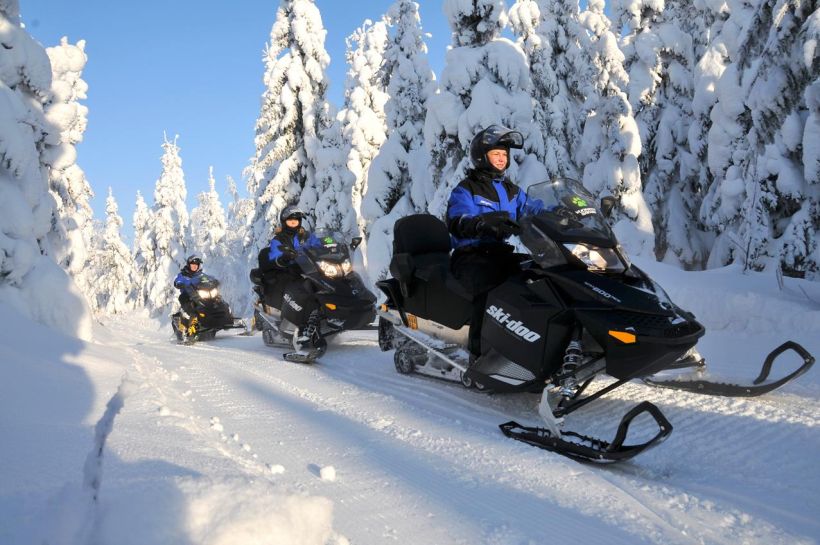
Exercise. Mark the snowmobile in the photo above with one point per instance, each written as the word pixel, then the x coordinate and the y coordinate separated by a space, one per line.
pixel 344 303
pixel 577 310
pixel 211 314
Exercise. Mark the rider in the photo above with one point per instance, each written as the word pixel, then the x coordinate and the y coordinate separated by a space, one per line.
pixel 186 281
pixel 481 215
pixel 289 291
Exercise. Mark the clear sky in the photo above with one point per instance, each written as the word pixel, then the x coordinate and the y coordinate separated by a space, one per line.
pixel 187 67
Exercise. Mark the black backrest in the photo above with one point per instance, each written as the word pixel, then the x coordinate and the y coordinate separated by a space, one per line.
pixel 420 234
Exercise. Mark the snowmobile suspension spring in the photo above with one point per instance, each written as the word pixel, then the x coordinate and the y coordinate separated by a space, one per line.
pixel 572 357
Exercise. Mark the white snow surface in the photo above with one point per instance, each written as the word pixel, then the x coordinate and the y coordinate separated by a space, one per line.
pixel 132 438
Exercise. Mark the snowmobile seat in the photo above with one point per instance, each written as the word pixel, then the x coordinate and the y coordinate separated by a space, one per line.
pixel 421 264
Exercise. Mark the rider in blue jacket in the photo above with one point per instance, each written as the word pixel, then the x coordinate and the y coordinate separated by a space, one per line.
pixel 482 214
pixel 187 281
pixel 285 288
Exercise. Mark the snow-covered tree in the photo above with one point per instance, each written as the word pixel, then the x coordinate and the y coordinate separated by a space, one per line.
pixel 113 265
pixel 363 118
pixel 399 170
pixel 30 278
pixel 549 33
pixel 232 268
pixel 333 198
pixel 659 54
pixel 291 115
pixel 762 201
pixel 142 248
pixel 166 233
pixel 485 80
pixel 208 223
pixel 73 223
pixel 610 144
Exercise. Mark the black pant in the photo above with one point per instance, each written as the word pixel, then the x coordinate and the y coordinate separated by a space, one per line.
pixel 187 303
pixel 479 270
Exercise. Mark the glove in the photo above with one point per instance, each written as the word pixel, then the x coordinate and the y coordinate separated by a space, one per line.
pixel 288 255
pixel 497 224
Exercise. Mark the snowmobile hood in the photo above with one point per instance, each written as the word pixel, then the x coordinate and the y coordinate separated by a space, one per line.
pixel 639 295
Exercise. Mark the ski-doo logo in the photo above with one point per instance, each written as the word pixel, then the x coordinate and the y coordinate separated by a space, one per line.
pixel 601 292
pixel 515 326
pixel 292 303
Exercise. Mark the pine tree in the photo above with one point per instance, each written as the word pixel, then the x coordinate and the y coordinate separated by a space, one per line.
pixel 115 275
pixel 547 32
pixel 143 249
pixel 235 282
pixel 333 207
pixel 167 231
pixel 485 81
pixel 762 201
pixel 391 176
pixel 208 223
pixel 30 278
pixel 610 144
pixel 364 124
pixel 659 49
pixel 73 222
pixel 291 116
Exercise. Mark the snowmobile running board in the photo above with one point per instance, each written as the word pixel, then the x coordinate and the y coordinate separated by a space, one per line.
pixel 587 449
pixel 757 387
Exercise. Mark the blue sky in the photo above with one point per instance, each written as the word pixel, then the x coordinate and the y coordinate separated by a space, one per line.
pixel 187 67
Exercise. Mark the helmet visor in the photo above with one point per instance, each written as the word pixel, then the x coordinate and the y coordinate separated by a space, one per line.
pixel 498 136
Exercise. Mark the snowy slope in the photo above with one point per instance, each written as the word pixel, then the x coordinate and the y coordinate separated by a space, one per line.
pixel 224 443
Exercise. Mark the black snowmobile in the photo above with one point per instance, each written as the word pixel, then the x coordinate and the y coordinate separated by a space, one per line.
pixel 344 303
pixel 576 310
pixel 211 314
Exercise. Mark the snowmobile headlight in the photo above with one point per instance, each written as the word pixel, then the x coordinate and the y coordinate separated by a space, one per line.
pixel 347 267
pixel 331 269
pixel 595 258
pixel 208 294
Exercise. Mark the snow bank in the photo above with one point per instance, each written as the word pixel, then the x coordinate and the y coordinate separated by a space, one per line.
pixel 218 511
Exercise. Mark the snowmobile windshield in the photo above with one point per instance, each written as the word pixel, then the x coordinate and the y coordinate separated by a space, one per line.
pixel 560 222
pixel 566 211
pixel 207 282
pixel 332 246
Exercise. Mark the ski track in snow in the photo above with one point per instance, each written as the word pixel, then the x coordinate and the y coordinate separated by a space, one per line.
pixel 428 453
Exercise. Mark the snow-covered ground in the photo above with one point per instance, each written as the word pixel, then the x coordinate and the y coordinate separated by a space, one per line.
pixel 135 439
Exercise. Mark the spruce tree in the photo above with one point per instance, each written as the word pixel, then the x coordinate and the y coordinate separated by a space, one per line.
pixel 30 278
pixel 290 120
pixel 395 188
pixel 113 266
pixel 74 216
pixel 167 232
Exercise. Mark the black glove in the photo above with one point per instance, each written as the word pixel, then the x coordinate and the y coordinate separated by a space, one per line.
pixel 496 224
pixel 288 255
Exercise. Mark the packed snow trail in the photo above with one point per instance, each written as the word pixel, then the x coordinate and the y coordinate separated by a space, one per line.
pixel 418 459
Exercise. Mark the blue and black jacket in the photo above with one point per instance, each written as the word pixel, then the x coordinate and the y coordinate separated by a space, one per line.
pixel 288 239
pixel 187 281
pixel 478 194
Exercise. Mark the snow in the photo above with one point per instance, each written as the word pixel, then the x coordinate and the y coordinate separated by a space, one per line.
pixel 132 438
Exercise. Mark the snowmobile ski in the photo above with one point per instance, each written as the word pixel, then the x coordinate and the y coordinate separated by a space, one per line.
pixel 758 387
pixel 588 449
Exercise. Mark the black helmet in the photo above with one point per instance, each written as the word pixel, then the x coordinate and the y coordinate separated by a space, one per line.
pixel 291 212
pixel 493 137
pixel 193 259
